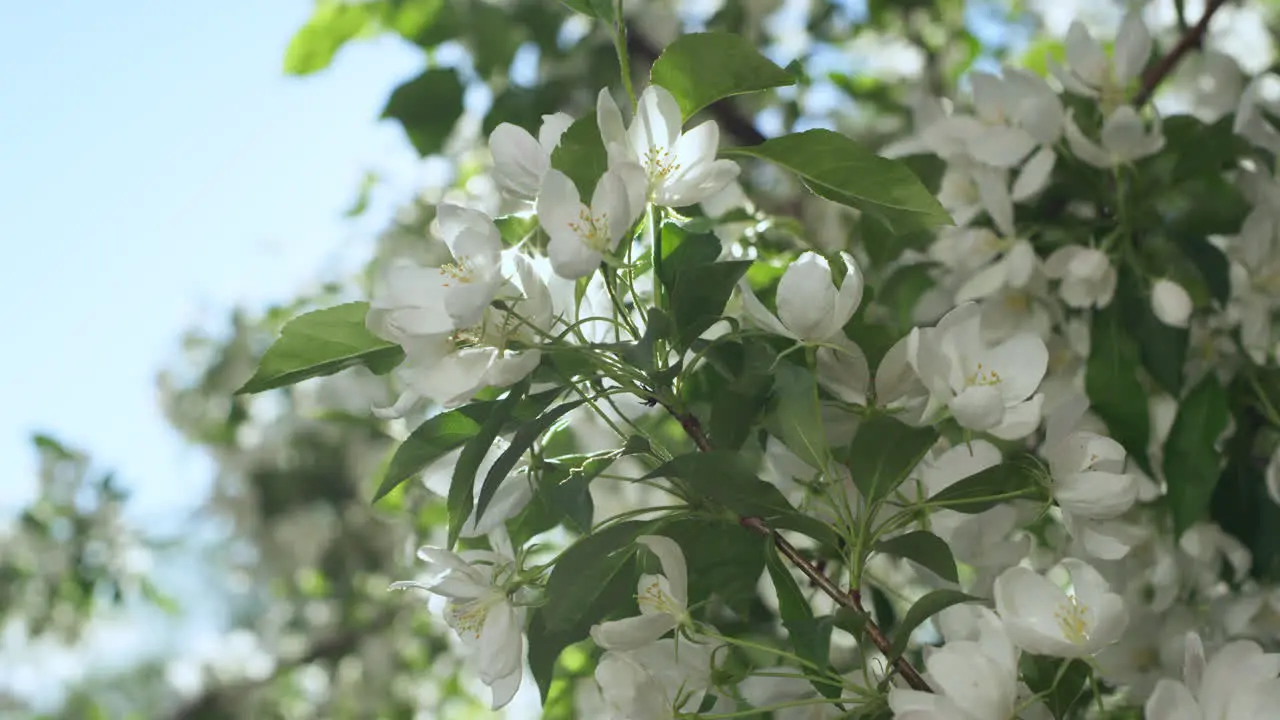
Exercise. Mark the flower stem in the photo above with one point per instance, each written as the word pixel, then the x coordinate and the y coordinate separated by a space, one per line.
pixel 851 599
pixel 624 57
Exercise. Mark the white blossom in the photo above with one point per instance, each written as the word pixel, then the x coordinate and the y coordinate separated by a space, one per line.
pixel 1087 275
pixel 681 168
pixel 1124 138
pixel 974 679
pixel 1044 619
pixel 1170 303
pixel 987 389
pixel 1239 683
pixel 580 235
pixel 480 611
pixel 663 601
pixel 810 306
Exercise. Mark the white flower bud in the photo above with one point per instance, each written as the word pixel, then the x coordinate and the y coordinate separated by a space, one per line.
pixel 1171 303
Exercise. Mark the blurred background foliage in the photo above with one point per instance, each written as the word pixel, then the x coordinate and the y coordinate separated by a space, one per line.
pixel 300 557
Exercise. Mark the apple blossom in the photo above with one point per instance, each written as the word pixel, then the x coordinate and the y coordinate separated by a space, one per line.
pixel 581 235
pixel 1170 303
pixel 655 681
pixel 681 167
pixel 975 679
pixel 987 389
pixel 810 306
pixel 663 601
pixel 1124 139
pixel 1091 73
pixel 480 611
pixel 1042 618
pixel 1239 683
pixel 1087 275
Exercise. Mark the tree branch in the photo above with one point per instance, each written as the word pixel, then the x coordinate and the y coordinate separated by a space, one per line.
pixel 851 600
pixel 1190 40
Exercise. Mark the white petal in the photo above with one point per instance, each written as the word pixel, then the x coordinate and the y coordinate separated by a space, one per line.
pixel 759 314
pixel 1171 700
pixel 632 632
pixel 1020 362
pixel 1020 420
pixel 806 298
pixel 1086 56
pixel 850 295
pixel 1026 602
pixel 994 190
pixel 1170 303
pixel 519 161
pixel 1002 147
pixel 844 372
pixel 656 125
pixel 673 565
pixel 611 203
pixel 1084 148
pixel 504 689
pixel 1034 175
pixel 978 408
pixel 612 130
pixel 965 675
pixel 468 233
pixel 1123 133
pixel 1133 47
pixel 553 127
pixel 1096 495
pixel 501 646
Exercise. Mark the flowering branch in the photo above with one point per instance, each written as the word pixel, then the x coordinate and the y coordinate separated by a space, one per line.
pixel 1191 39
pixel 851 599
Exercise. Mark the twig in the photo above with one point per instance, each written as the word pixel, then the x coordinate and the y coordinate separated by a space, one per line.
pixel 1190 40
pixel 851 599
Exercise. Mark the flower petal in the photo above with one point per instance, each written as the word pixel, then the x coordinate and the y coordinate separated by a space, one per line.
pixel 806 298
pixel 632 632
pixel 519 161
pixel 1133 47
pixel 1086 56
pixel 673 565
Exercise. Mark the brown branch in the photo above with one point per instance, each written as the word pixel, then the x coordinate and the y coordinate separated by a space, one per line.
pixel 1190 40
pixel 733 122
pixel 851 600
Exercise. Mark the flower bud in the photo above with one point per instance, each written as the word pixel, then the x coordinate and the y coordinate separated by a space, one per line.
pixel 1171 303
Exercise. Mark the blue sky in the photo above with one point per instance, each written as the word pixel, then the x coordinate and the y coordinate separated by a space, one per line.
pixel 156 168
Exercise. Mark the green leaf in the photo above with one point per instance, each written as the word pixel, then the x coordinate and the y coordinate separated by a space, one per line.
pixel 698 286
pixel 923 609
pixel 520 444
pixel 724 559
pixel 322 343
pixel 1014 479
pixel 331 26
pixel 738 398
pixel 729 479
pixel 1111 382
pixel 492 38
pixel 925 548
pixel 883 452
pixel 839 169
pixel 1163 349
pixel 581 155
pixel 1192 462
pixel 427 108
pixel 1060 682
pixel 609 595
pixel 462 486
pixel 799 414
pixel 447 431
pixel 810 637
pixel 584 570
pixel 515 228
pixel 701 68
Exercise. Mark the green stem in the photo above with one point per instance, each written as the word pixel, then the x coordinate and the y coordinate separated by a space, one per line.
pixel 624 58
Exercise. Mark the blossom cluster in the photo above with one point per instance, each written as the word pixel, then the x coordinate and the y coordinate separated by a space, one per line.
pixel 1079 564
